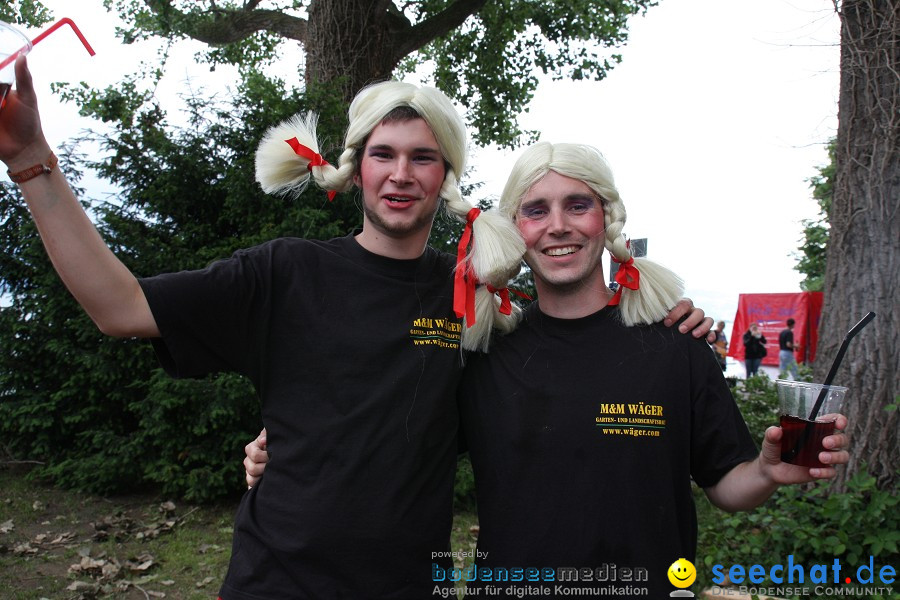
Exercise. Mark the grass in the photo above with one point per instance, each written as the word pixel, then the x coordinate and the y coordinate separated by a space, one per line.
pixel 63 544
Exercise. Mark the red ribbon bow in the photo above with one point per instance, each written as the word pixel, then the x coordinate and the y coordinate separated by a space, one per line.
pixel 627 276
pixel 315 159
pixel 464 281
pixel 505 304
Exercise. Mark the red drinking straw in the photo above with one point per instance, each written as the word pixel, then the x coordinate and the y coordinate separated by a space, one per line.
pixel 45 33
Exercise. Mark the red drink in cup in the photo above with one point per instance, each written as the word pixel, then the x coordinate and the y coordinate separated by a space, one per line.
pixel 801 440
pixel 801 437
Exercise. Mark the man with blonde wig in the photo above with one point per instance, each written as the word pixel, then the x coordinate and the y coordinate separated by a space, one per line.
pixel 587 423
pixel 353 344
pixel 289 153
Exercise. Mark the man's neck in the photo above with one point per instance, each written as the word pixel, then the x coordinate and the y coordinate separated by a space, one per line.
pixel 403 248
pixel 573 303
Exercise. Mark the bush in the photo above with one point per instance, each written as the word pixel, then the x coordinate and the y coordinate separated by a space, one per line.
pixel 804 521
pixel 814 527
pixel 758 401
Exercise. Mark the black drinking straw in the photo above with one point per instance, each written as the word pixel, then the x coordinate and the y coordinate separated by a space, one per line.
pixel 837 363
pixel 810 425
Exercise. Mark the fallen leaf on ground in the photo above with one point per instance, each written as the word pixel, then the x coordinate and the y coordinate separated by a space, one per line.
pixel 83 586
pixel 25 548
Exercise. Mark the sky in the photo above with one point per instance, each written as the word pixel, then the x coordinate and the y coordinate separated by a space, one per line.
pixel 713 123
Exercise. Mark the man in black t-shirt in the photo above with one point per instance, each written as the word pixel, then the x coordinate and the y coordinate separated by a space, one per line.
pixel 585 432
pixel 786 361
pixel 586 424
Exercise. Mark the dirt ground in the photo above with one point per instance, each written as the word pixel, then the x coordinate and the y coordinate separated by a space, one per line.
pixel 61 544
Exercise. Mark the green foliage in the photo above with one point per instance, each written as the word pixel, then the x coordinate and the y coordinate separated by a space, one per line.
pixel 97 411
pixel 758 401
pixel 30 13
pixel 464 486
pixel 811 257
pixel 803 521
pixel 490 63
pixel 809 524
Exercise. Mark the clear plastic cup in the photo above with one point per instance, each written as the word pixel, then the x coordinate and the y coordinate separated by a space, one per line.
pixel 12 41
pixel 801 438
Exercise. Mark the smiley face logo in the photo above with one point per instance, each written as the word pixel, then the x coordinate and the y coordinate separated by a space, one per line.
pixel 682 573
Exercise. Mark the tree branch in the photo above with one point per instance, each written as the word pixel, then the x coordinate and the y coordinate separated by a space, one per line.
pixel 434 27
pixel 218 26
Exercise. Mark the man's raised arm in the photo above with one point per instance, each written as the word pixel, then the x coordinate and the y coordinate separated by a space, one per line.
pixel 104 287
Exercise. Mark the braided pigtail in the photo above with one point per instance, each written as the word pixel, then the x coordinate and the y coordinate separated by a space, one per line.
pixel 497 247
pixel 655 289
pixel 492 258
pixel 492 313
pixel 289 153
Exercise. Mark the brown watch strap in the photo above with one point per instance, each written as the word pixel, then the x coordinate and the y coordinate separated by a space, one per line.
pixel 32 172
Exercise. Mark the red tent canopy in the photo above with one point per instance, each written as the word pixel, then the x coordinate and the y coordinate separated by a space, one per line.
pixel 771 312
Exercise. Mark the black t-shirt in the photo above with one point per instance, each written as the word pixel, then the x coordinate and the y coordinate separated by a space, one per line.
pixel 356 360
pixel 584 435
pixel 786 340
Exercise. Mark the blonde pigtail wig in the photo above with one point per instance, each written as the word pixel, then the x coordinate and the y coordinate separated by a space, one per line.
pixel 288 156
pixel 496 248
pixel 488 319
pixel 658 288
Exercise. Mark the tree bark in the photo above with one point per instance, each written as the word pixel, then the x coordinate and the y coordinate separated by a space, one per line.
pixel 358 42
pixel 862 268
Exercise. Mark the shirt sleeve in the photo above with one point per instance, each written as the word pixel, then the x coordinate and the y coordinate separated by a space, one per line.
pixel 210 319
pixel 720 439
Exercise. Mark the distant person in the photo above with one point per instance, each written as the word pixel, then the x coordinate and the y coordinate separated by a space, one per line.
pixel 786 361
pixel 754 349
pixel 720 345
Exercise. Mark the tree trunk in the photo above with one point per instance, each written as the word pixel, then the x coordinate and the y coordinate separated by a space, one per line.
pixel 351 42
pixel 863 259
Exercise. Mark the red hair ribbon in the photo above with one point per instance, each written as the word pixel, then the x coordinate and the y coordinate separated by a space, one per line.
pixel 505 304
pixel 464 282
pixel 627 276
pixel 315 159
